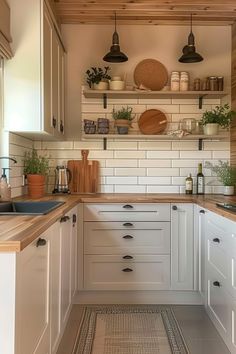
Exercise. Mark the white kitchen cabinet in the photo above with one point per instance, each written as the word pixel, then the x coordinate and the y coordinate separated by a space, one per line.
pixel 200 250
pixel 182 247
pixel 34 78
pixel 32 294
pixel 74 244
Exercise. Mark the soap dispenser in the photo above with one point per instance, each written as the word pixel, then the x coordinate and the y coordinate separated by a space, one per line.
pixel 5 188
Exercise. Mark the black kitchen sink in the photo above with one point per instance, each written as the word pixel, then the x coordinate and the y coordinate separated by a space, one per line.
pixel 28 208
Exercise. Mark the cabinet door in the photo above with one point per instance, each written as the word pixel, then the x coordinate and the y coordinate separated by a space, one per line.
pixel 47 72
pixel 55 286
pixel 74 220
pixel 200 247
pixel 65 234
pixel 55 83
pixel 61 93
pixel 32 293
pixel 182 247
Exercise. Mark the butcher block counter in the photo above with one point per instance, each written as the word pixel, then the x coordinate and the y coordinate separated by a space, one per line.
pixel 16 232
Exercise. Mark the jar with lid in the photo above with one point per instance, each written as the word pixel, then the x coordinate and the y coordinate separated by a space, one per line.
pixel 220 80
pixel 213 83
pixel 188 124
pixel 197 84
pixel 184 81
pixel 175 81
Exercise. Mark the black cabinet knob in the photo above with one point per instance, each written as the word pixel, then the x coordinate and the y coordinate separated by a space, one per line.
pixel 174 207
pixel 128 206
pixel 128 237
pixel 216 239
pixel 127 257
pixel 216 283
pixel 65 218
pixel 61 127
pixel 127 270
pixel 74 218
pixel 54 122
pixel 128 224
pixel 41 242
pixel 202 211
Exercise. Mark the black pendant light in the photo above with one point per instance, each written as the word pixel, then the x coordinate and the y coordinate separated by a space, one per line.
pixel 115 55
pixel 189 51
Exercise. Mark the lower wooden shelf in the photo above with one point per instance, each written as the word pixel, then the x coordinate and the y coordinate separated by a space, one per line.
pixel 136 136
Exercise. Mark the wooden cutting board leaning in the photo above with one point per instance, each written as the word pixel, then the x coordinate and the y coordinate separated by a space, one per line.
pixel 152 122
pixel 85 174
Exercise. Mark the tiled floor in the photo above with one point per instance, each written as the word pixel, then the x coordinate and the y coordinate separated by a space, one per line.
pixel 200 335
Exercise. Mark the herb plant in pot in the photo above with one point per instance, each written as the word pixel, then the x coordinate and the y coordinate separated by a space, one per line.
pixel 221 116
pixel 98 78
pixel 226 175
pixel 123 119
pixel 36 168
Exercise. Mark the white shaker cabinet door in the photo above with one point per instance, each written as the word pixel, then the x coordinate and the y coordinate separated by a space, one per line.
pixel 32 294
pixel 182 247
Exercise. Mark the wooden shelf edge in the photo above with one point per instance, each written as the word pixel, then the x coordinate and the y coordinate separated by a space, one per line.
pixel 155 137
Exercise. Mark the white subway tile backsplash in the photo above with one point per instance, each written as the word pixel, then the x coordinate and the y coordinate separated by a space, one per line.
pixel 193 170
pixel 154 145
pixel 57 145
pixel 130 172
pixel 154 163
pixel 179 117
pixel 163 154
pixel 163 189
pixel 137 108
pixel 155 101
pixel 106 171
pixel 122 145
pixel 221 155
pixel 186 163
pixel 216 145
pixel 129 154
pixel 187 108
pixel 97 108
pixel 90 145
pixel 129 189
pixel 163 172
pixel 195 154
pixel 106 188
pixel 185 145
pixel 121 163
pixel 165 108
pixel 154 180
pixel 121 180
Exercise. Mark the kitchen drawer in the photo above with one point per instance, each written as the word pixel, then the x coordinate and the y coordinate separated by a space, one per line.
pixel 114 238
pixel 115 273
pixel 127 212
pixel 217 257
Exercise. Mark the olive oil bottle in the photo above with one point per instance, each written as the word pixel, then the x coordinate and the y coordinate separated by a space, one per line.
pixel 200 180
pixel 189 185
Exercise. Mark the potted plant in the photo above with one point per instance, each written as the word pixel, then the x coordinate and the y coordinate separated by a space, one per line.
pixel 36 168
pixel 219 116
pixel 123 118
pixel 98 78
pixel 226 174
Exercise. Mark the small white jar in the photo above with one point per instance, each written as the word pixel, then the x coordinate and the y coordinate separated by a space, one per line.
pixel 184 81
pixel 175 81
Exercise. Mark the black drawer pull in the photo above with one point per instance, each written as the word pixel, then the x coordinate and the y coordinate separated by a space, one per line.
pixel 174 207
pixel 41 242
pixel 127 270
pixel 202 211
pixel 128 206
pixel 128 224
pixel 128 237
pixel 216 283
pixel 217 240
pixel 128 257
pixel 74 218
pixel 65 218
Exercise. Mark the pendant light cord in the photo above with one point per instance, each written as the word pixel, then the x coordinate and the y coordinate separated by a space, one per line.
pixel 115 21
pixel 191 23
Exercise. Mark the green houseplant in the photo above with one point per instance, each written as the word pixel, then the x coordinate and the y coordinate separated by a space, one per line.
pixel 226 175
pixel 98 78
pixel 36 168
pixel 123 118
pixel 219 116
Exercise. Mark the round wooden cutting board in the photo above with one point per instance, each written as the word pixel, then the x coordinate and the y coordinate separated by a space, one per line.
pixel 151 73
pixel 152 122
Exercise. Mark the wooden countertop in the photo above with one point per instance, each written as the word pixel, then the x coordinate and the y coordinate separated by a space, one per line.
pixel 16 232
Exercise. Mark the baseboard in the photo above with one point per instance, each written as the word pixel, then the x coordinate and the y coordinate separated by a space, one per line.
pixel 139 297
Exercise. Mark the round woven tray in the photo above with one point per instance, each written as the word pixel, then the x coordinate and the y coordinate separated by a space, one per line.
pixel 151 73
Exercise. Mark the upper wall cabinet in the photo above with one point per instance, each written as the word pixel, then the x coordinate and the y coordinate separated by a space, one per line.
pixel 34 78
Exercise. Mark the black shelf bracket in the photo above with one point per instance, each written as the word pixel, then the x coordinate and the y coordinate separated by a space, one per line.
pixel 104 143
pixel 200 144
pixel 104 100
pixel 200 101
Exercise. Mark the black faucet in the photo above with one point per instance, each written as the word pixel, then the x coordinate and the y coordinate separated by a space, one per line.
pixel 8 158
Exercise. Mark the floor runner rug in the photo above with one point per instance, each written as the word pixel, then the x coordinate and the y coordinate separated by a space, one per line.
pixel 129 329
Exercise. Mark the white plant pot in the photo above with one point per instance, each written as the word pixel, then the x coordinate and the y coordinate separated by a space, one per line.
pixel 211 129
pixel 228 190
pixel 102 85
pixel 117 85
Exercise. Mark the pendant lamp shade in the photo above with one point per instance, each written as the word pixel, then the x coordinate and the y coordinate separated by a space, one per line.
pixel 189 51
pixel 115 55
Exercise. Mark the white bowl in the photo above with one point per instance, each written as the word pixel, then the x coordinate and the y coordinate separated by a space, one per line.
pixel 117 85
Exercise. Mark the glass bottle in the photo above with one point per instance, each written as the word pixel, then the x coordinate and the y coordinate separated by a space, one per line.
pixel 200 180
pixel 189 185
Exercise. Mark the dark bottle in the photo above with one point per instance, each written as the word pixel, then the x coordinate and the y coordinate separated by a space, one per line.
pixel 200 180
pixel 189 184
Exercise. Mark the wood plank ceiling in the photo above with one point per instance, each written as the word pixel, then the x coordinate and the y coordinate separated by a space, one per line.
pixel 147 12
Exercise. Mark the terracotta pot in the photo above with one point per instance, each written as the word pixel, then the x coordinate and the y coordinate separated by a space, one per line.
pixel 122 126
pixel 36 185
